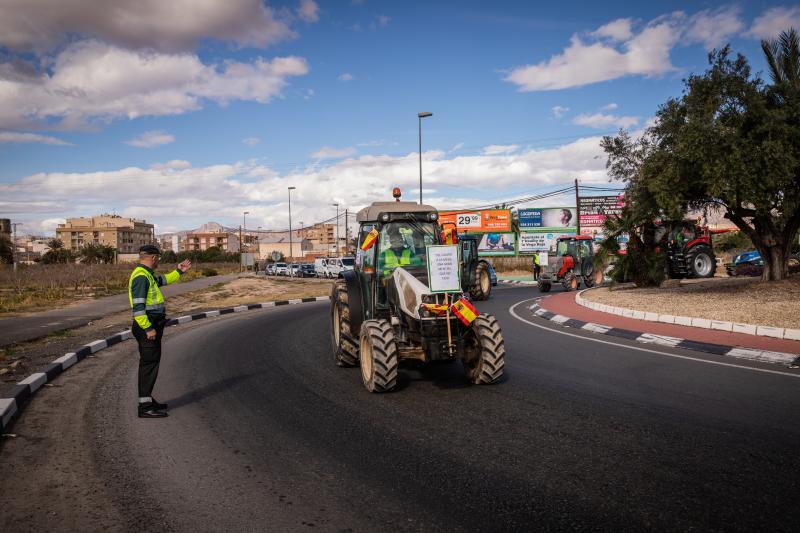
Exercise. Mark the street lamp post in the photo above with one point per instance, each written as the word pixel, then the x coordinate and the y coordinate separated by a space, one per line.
pixel 420 116
pixel 244 224
pixel 14 245
pixel 336 246
pixel 291 249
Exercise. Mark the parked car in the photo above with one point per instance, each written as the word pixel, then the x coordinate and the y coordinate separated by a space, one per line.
pixel 307 271
pixel 281 269
pixel 269 270
pixel 750 263
pixel 321 267
pixel 294 268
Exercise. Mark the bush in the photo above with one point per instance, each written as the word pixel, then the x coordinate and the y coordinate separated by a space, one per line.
pixel 732 241
pixel 208 272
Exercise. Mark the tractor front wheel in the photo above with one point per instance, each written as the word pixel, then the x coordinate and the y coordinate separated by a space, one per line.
pixel 482 285
pixel 544 286
pixel 344 351
pixel 700 262
pixel 378 355
pixel 570 283
pixel 484 361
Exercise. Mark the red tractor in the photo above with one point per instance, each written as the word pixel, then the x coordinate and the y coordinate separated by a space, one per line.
pixel 572 265
pixel 690 253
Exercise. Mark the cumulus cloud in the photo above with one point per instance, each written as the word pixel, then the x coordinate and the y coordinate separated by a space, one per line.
pixel 345 77
pixel 176 25
pixel 602 120
pixel 609 107
pixel 326 152
pixel 189 196
pixel 308 11
pixel 251 141
pixel 175 164
pixel 616 50
pixel 19 138
pixel 558 111
pixel 94 82
pixel 773 21
pixel 497 149
pixel 151 139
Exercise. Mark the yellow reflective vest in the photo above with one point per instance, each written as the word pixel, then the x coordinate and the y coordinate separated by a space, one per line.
pixel 145 296
pixel 391 261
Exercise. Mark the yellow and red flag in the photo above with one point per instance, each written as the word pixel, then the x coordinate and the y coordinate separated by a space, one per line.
pixel 449 235
pixel 465 311
pixel 436 309
pixel 370 239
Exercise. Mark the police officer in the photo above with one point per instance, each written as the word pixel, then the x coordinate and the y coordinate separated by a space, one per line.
pixel 149 318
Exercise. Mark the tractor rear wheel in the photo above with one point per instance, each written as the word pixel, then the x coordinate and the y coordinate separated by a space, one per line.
pixel 544 286
pixel 587 272
pixel 378 352
pixel 344 352
pixel 484 361
pixel 482 285
pixel 570 283
pixel 700 262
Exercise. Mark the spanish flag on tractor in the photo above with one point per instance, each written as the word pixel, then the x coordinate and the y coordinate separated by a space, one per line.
pixel 449 235
pixel 370 239
pixel 465 311
pixel 436 309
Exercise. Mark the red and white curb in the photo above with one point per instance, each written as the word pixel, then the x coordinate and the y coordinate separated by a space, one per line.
pixel 25 389
pixel 516 282
pixel 705 323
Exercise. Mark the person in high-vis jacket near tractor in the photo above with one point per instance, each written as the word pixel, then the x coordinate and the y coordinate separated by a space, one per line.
pixel 149 319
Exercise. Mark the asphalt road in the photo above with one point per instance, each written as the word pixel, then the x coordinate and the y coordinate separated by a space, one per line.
pixel 266 434
pixel 36 325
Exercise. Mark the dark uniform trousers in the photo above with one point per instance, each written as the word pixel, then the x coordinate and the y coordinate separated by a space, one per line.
pixel 149 354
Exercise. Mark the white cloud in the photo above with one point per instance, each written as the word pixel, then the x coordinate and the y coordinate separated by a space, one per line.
pixel 308 11
pixel 17 137
pixel 455 148
pixel 251 141
pixel 500 149
pixel 175 164
pixel 773 21
pixel 618 30
pixel 93 82
pixel 153 24
pixel 609 107
pixel 193 195
pixel 558 111
pixel 345 77
pixel 326 152
pixel 615 50
pixel 383 20
pixel 151 139
pixel 602 120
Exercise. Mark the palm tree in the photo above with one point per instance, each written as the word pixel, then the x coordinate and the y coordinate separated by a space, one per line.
pixel 783 58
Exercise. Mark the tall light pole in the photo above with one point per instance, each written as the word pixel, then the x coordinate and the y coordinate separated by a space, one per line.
pixel 291 249
pixel 14 245
pixel 336 247
pixel 420 116
pixel 244 224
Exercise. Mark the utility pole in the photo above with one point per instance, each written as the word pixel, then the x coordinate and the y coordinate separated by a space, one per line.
pixel 336 247
pixel 420 116
pixel 346 235
pixel 240 247
pixel 577 208
pixel 291 251
pixel 14 245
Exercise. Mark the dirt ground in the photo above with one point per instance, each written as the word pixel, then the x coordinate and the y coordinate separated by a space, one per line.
pixel 744 300
pixel 20 360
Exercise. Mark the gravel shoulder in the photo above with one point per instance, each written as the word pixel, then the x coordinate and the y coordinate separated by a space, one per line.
pixel 743 300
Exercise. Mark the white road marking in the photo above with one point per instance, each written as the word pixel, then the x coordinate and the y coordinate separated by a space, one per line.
pixel 646 350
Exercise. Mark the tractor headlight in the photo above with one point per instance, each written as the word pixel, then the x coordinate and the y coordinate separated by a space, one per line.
pixel 385 217
pixel 434 216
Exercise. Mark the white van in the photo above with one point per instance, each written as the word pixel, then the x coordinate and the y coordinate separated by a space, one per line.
pixel 337 265
pixel 321 267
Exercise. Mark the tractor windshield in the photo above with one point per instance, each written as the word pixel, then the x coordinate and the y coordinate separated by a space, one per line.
pixel 403 244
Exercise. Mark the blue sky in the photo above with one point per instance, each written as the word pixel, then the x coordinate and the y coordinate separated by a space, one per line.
pixel 187 116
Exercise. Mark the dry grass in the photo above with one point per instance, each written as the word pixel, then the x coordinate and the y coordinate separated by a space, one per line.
pixel 42 287
pixel 744 300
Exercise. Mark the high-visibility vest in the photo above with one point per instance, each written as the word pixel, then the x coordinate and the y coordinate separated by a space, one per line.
pixel 152 302
pixel 390 260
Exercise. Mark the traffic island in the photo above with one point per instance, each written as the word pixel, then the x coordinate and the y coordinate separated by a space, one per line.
pixel 564 310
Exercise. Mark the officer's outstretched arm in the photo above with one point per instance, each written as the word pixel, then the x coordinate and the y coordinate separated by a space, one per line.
pixel 171 277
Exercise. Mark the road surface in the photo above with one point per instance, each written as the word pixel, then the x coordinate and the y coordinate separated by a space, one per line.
pixel 266 434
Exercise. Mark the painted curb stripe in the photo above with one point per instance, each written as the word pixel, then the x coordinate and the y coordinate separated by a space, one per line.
pixel 25 389
pixel 752 354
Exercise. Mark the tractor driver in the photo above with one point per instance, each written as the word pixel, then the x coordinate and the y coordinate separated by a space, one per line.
pixel 397 254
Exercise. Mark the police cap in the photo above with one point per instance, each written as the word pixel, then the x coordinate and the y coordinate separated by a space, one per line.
pixel 150 249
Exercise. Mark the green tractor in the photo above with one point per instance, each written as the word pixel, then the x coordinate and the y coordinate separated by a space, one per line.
pixel 383 312
pixel 476 278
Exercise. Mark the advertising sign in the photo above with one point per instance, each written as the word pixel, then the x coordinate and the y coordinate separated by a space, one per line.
pixel 547 218
pixel 443 271
pixel 478 221
pixel 497 244
pixel 539 241
pixel 595 209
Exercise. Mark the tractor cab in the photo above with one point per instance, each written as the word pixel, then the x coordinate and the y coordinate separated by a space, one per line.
pixel 572 264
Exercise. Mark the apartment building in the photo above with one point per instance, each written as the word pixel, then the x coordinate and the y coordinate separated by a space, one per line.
pixel 201 241
pixel 124 234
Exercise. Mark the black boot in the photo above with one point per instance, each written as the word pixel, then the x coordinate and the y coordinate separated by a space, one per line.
pixel 149 410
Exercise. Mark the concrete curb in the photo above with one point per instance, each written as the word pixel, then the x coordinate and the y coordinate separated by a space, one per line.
pixel 763 356
pixel 25 389
pixel 734 327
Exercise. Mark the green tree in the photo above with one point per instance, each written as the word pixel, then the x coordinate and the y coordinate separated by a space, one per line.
pixel 733 142
pixel 6 250
pixel 57 253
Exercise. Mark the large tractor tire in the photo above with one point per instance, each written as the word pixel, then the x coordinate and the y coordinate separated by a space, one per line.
pixel 544 286
pixel 700 262
pixel 570 282
pixel 378 352
pixel 484 362
pixel 344 352
pixel 482 285
pixel 587 273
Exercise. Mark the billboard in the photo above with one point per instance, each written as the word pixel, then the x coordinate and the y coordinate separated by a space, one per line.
pixel 481 221
pixel 595 209
pixel 554 218
pixel 497 244
pixel 539 241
